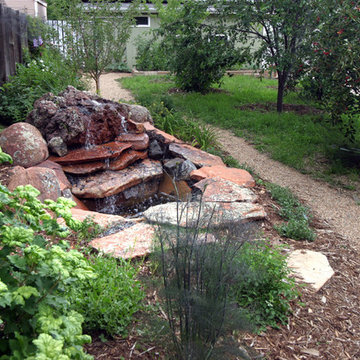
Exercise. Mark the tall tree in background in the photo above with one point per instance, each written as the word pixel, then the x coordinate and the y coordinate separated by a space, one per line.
pixel 96 32
pixel 280 27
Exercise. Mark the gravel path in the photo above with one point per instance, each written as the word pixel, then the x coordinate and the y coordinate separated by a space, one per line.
pixel 336 206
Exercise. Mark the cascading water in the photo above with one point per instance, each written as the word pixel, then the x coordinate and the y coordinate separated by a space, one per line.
pixel 107 205
pixel 124 124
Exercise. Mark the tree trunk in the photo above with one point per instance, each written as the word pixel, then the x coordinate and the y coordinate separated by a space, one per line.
pixel 281 87
pixel 97 83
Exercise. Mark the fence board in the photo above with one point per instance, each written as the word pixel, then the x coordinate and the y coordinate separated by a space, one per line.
pixel 13 39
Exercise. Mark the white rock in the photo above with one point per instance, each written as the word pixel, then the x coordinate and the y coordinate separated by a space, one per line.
pixel 311 267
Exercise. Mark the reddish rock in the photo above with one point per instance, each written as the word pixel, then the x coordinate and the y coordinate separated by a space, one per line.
pixel 100 152
pixel 83 169
pixel 161 135
pixel 221 190
pixel 79 204
pixel 237 176
pixel 80 118
pixel 43 179
pixel 196 156
pixel 135 241
pixel 210 213
pixel 136 127
pixel 109 183
pixel 104 220
pixel 126 159
pixel 63 180
pixel 138 141
pixel 179 189
pixel 25 144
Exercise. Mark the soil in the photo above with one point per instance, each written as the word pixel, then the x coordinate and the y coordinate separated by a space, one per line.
pixel 323 325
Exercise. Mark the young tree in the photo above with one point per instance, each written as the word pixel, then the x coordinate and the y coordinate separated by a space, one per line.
pixel 96 32
pixel 280 27
pixel 198 46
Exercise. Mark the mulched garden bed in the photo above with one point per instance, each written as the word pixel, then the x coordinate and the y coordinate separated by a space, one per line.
pixel 324 325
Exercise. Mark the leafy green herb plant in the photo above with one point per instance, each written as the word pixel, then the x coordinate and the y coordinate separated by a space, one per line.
pixel 35 271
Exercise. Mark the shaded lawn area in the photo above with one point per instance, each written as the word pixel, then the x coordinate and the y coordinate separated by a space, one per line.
pixel 305 142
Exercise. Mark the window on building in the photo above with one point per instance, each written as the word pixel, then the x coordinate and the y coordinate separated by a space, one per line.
pixel 142 21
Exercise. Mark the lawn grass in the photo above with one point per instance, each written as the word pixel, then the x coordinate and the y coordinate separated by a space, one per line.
pixel 305 142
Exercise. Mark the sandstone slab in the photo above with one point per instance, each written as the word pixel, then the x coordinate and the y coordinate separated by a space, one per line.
pixel 99 152
pixel 215 213
pixel 138 141
pixel 178 189
pixel 221 190
pixel 25 144
pixel 43 179
pixel 109 182
pixel 196 156
pixel 310 267
pixel 135 241
pixel 121 162
pixel 237 176
pixel 104 220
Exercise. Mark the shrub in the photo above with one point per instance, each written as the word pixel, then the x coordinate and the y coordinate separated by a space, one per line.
pixel 108 301
pixel 36 268
pixel 151 55
pixel 199 53
pixel 263 287
pixel 49 73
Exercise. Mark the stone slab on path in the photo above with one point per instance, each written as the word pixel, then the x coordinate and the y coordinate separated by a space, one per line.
pixel 237 176
pixel 135 241
pixel 221 190
pixel 217 213
pixel 109 183
pixel 311 267
pixel 196 156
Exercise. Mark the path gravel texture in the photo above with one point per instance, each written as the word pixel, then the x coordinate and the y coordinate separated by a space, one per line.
pixel 336 207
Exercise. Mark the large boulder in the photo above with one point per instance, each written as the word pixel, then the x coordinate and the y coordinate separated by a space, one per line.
pixel 43 179
pixel 77 118
pixel 25 144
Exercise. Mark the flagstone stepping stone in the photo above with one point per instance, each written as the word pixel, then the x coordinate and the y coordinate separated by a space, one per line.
pixel 138 141
pixel 196 156
pixel 218 189
pixel 237 176
pixel 109 182
pixel 124 160
pixel 99 152
pixel 219 213
pixel 310 267
pixel 135 241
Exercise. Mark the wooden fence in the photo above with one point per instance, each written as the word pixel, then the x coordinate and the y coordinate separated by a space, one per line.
pixel 13 38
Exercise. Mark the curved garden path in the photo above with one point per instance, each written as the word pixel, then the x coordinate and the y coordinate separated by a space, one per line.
pixel 336 206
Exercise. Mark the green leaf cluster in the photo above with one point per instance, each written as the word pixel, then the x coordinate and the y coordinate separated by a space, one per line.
pixel 108 301
pixel 36 77
pixel 5 157
pixel 35 271
pixel 264 287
